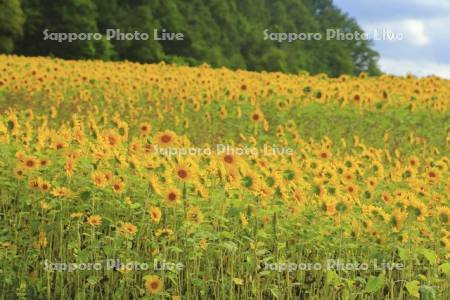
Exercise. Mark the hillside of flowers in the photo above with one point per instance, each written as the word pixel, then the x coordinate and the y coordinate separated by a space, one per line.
pixel 121 180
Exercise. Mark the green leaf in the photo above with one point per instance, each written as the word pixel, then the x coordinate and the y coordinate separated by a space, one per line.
pixel 135 205
pixel 427 293
pixel 429 255
pixel 92 280
pixel 413 288
pixel 332 278
pixel 402 253
pixel 230 246
pixel 445 268
pixel 85 195
pixel 374 283
pixel 275 292
pixel 261 252
pixel 175 249
pixel 226 235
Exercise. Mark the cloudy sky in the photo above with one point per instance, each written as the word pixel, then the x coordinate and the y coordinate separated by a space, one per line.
pixel 424 24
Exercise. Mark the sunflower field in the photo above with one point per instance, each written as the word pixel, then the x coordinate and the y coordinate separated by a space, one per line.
pixel 121 180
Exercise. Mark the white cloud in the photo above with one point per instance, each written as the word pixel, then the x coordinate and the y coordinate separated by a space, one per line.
pixel 416 30
pixel 424 24
pixel 413 30
pixel 416 67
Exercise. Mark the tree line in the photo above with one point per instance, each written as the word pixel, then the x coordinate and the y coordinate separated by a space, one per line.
pixel 219 32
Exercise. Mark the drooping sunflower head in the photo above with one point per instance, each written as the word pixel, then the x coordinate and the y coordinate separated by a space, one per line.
pixel 155 213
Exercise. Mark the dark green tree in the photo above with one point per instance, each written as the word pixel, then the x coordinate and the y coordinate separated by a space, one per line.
pixel 11 24
pixel 220 33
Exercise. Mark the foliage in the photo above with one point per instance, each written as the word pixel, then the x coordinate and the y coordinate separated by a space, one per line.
pixel 220 33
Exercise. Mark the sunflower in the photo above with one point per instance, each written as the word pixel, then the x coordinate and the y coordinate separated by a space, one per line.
pixel 167 232
pixel 328 205
pixel 19 173
pixel 291 174
pixel 99 179
pixel 128 229
pixel 155 213
pixel 433 175
pixel 172 196
pixel 445 242
pixel 69 167
pixel 413 161
pixel 153 284
pixel 61 192
pixel 343 205
pixel 44 205
pixel 118 186
pixel 30 163
pixel 35 183
pixel 44 185
pixel 59 143
pixel 223 113
pixel 243 219
pixel 229 160
pixel 183 172
pixel 76 215
pixel 195 215
pixel 348 176
pixel 41 242
pixel 165 138
pixel 128 201
pixel 13 123
pixel 398 218
pixel 420 186
pixel 418 209
pixel 145 128
pixel 371 183
pixel 324 154
pixel 351 189
pixel 154 183
pixel 376 213
pixel 203 244
pixel 112 138
pixel 443 214
pixel 94 220
pixel 386 197
pixel 109 176
pixel 251 181
pixel 291 126
pixel 44 162
pixel 256 116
